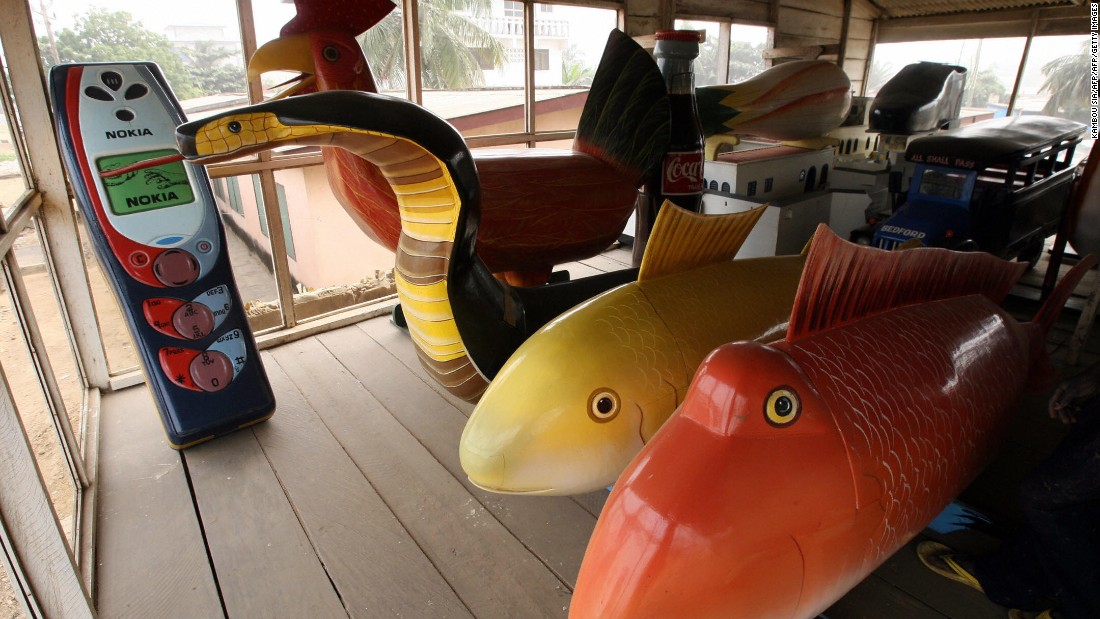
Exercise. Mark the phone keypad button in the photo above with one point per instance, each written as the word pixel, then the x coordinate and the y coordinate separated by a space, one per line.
pixel 211 370
pixel 136 91
pixel 193 320
pixel 111 79
pixel 96 92
pixel 175 268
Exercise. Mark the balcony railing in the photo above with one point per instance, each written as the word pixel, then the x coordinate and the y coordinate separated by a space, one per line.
pixel 513 26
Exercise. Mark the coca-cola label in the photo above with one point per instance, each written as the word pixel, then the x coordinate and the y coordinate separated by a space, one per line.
pixel 682 173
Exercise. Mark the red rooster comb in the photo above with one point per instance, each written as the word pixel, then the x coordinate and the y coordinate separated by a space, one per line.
pixel 352 16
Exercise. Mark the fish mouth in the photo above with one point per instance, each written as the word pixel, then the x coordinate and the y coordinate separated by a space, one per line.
pixel 531 492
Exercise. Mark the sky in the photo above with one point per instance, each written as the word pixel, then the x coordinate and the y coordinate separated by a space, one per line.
pixel 270 15
pixel 1000 55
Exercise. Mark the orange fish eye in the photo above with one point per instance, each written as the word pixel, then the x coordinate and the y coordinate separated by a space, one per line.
pixel 603 405
pixel 782 407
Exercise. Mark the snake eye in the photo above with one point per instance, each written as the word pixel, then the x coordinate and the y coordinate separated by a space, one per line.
pixel 603 405
pixel 330 53
pixel 233 126
pixel 782 407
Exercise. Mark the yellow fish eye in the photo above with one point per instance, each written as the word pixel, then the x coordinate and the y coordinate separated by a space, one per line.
pixel 782 407
pixel 234 126
pixel 603 405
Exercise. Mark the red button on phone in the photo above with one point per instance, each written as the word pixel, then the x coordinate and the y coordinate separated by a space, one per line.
pixel 176 364
pixel 175 267
pixel 211 370
pixel 193 320
pixel 159 312
pixel 139 258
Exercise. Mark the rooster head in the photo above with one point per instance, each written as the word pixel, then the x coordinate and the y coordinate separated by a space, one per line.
pixel 319 44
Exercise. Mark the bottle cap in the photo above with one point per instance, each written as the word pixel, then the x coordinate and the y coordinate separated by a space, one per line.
pixel 677 35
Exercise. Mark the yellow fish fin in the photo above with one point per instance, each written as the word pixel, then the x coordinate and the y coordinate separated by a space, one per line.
pixel 682 240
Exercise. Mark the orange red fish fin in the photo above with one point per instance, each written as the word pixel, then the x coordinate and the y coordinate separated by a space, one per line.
pixel 1052 307
pixel 1043 374
pixel 682 240
pixel 843 281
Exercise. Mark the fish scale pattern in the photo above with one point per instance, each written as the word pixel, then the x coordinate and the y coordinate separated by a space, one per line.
pixel 643 342
pixel 920 395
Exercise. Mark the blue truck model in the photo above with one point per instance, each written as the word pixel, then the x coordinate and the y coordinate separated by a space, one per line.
pixel 998 186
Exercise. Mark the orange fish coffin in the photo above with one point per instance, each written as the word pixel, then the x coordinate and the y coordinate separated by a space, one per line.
pixel 792 470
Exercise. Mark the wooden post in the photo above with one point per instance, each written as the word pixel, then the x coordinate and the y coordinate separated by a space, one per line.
pixel 56 213
pixel 411 18
pixel 269 198
pixel 1023 63
pixel 844 29
pixel 40 566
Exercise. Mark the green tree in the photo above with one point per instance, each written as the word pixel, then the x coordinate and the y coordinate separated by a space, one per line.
pixel 574 71
pixel 982 88
pixel 453 47
pixel 113 36
pixel 209 70
pixel 1068 84
pixel 746 60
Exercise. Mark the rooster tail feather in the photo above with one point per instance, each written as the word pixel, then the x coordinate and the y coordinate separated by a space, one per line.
pixel 625 121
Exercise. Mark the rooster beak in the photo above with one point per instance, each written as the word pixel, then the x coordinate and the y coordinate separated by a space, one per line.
pixel 292 53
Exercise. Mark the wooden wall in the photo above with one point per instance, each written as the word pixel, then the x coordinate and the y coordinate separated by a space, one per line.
pixel 836 30
pixel 842 29
pixel 845 31
pixel 1017 23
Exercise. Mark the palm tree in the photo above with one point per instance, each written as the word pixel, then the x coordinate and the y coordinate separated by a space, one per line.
pixel 746 60
pixel 1068 84
pixel 453 47
pixel 983 87
pixel 574 72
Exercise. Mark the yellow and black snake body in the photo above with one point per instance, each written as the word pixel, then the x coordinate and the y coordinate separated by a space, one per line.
pixel 465 323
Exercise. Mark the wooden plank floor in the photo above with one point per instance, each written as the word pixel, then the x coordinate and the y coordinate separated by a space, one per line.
pixel 350 501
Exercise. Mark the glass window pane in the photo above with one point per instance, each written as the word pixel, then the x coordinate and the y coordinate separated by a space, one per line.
pixel 13 178
pixel 382 44
pixel 196 44
pixel 34 412
pixel 117 343
pixel 747 45
pixel 1055 82
pixel 569 42
pixel 334 265
pixel 52 323
pixel 246 238
pixel 991 69
pixel 472 65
